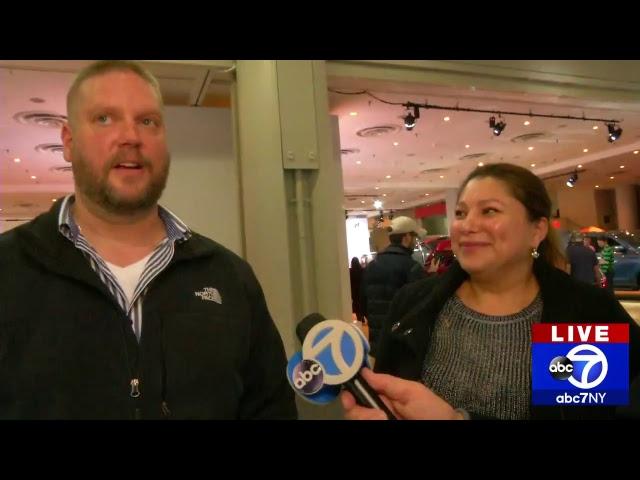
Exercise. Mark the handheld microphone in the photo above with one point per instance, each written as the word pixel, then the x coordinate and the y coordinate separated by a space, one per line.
pixel 341 349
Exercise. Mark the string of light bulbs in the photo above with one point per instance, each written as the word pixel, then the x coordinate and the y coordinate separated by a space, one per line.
pixel 412 115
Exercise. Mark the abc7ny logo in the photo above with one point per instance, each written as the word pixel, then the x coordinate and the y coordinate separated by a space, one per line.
pixel 582 370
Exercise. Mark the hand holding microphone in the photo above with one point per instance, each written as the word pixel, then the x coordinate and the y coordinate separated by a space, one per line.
pixel 333 354
pixel 407 399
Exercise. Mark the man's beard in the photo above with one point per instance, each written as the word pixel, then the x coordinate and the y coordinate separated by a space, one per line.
pixel 94 185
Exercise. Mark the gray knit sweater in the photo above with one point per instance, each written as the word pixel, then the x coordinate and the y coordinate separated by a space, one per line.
pixel 482 363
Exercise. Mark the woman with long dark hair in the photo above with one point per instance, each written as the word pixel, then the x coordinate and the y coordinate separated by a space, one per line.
pixel 459 345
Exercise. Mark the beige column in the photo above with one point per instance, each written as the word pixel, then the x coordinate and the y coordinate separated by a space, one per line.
pixel 627 207
pixel 291 190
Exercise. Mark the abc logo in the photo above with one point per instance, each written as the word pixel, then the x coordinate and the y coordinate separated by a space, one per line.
pixel 585 366
pixel 308 377
pixel 561 368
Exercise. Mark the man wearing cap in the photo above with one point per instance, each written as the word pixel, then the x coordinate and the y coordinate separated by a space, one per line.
pixel 392 268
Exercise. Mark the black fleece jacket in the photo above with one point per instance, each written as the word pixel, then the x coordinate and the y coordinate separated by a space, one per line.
pixel 67 351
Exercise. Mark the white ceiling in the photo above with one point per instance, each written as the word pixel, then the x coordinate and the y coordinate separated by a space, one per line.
pixel 433 144
pixel 438 144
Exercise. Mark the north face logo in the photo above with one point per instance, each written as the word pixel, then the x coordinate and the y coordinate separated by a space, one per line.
pixel 211 294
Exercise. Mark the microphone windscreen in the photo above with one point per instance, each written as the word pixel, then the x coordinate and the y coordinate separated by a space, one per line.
pixel 307 323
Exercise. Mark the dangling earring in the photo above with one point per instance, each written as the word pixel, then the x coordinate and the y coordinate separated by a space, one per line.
pixel 534 253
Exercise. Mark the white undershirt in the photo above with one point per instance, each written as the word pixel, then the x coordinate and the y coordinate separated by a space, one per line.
pixel 129 276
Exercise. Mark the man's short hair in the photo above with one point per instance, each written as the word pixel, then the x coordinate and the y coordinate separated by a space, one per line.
pixel 105 66
pixel 577 238
pixel 396 238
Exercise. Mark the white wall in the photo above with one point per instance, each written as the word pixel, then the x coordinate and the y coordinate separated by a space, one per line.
pixel 203 186
pixel 357 237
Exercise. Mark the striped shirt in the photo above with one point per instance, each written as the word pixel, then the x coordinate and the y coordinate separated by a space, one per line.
pixel 177 232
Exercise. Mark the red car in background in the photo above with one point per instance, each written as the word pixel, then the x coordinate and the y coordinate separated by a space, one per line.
pixel 439 254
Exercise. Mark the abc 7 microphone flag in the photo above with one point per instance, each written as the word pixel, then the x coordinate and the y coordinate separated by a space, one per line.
pixel 580 364
pixel 333 352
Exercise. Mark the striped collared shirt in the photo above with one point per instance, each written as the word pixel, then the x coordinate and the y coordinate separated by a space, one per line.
pixel 177 231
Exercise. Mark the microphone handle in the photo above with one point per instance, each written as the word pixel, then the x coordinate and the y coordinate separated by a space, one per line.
pixel 367 396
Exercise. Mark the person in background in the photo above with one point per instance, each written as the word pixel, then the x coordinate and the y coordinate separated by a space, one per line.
pixel 583 261
pixel 355 275
pixel 588 244
pixel 392 268
pixel 607 262
pixel 458 346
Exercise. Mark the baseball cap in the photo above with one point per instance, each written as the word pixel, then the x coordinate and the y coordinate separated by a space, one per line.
pixel 406 225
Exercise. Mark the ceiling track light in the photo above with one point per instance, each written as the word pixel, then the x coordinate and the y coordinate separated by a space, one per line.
pixel 413 113
pixel 575 172
pixel 410 118
pixel 572 179
pixel 614 132
pixel 497 127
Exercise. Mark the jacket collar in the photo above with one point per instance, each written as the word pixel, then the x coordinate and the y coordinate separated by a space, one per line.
pixel 397 249
pixel 43 242
pixel 176 229
pixel 415 325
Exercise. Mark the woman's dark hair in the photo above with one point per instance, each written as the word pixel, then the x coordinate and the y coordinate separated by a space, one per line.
pixel 530 191
pixel 355 264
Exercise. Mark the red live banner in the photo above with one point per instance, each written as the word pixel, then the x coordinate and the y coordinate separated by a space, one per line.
pixel 580 333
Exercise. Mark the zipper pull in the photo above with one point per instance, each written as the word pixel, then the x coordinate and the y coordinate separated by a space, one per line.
pixel 165 409
pixel 135 383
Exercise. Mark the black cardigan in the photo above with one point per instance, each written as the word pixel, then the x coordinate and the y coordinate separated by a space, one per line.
pixel 406 334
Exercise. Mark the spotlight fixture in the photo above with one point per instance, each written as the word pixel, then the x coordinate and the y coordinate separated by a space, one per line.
pixel 497 127
pixel 391 214
pixel 381 216
pixel 410 119
pixel 377 204
pixel 412 113
pixel 614 132
pixel 572 180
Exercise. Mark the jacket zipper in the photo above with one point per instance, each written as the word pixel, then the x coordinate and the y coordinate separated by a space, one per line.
pixel 135 393
pixel 135 384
